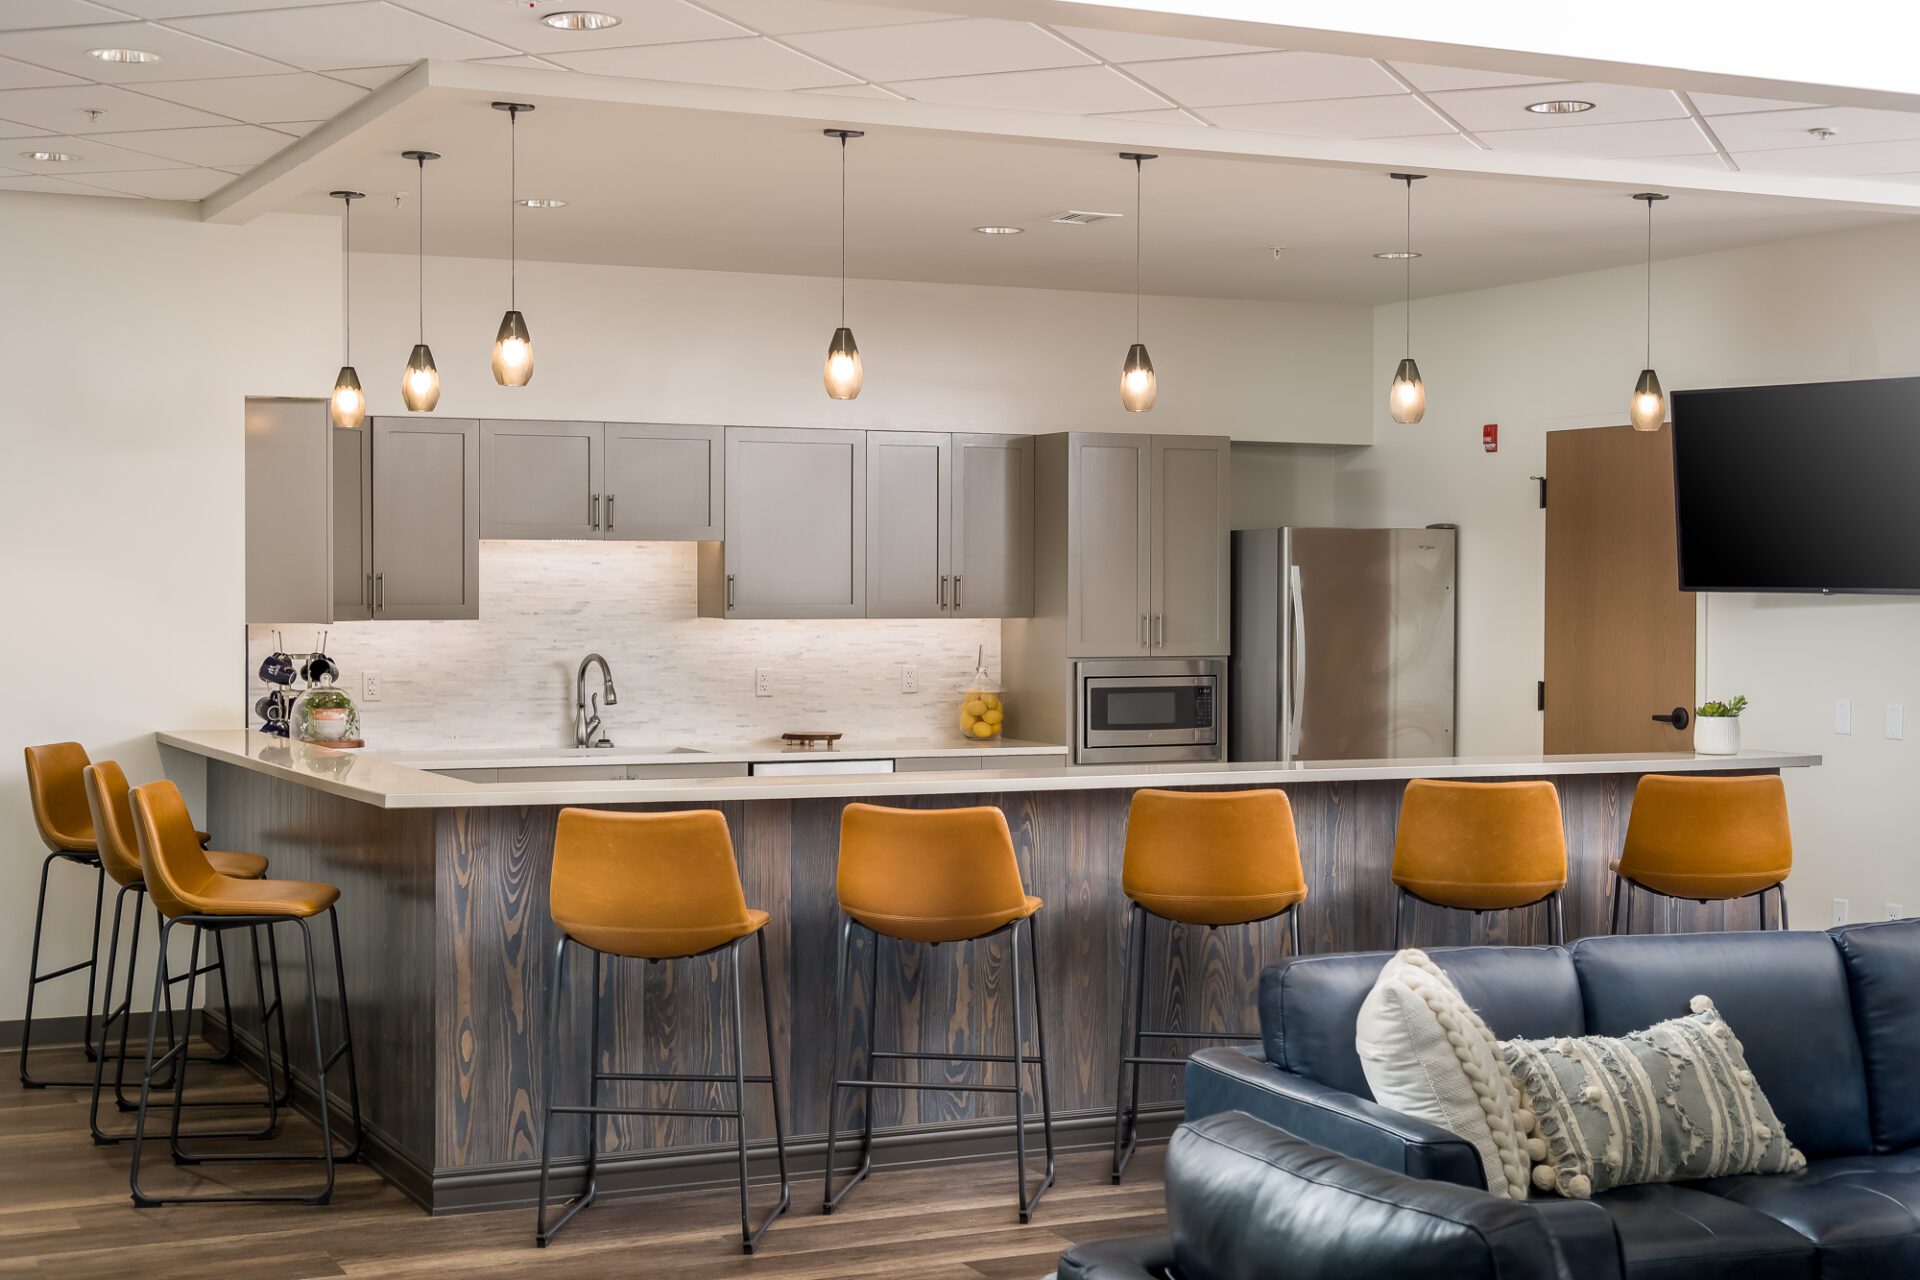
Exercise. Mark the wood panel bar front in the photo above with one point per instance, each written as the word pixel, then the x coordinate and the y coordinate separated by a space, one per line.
pixel 449 950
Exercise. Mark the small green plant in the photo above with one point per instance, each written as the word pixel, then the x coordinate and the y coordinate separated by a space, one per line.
pixel 1732 707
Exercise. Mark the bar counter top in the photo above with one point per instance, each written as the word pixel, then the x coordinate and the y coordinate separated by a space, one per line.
pixel 381 780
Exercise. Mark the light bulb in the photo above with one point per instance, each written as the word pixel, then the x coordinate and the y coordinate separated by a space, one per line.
pixel 843 374
pixel 349 405
pixel 513 352
pixel 1139 388
pixel 1649 411
pixel 420 385
pixel 1407 401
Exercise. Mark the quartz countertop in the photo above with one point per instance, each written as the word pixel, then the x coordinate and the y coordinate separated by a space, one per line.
pixel 383 781
pixel 534 757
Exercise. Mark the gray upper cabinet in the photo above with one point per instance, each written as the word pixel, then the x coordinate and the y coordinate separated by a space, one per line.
pixel 426 518
pixel 540 479
pixel 1109 544
pixel 909 524
pixel 1192 547
pixel 290 511
pixel 663 483
pixel 352 524
pixel 992 543
pixel 796 532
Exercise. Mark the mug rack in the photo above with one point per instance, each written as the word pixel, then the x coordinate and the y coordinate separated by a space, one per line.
pixel 282 697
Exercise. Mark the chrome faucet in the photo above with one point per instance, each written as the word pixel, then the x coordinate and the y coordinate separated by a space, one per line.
pixel 586 721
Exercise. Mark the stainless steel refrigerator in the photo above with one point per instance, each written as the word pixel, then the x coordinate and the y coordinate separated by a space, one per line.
pixel 1343 644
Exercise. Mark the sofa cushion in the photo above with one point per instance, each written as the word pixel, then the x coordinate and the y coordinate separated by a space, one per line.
pixel 1883 970
pixel 1786 996
pixel 1861 1212
pixel 1679 1233
pixel 1309 1005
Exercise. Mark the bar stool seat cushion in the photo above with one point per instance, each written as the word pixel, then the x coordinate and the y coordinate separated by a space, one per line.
pixel 1212 857
pixel 663 942
pixel 239 866
pixel 225 895
pixel 944 928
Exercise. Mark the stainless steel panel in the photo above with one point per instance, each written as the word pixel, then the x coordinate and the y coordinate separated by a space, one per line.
pixel 1255 684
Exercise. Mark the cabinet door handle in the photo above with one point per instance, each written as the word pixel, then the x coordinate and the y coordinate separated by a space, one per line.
pixel 369 591
pixel 380 592
pixel 729 591
pixel 943 591
pixel 609 513
pixel 1159 630
pixel 1146 636
pixel 956 593
pixel 593 511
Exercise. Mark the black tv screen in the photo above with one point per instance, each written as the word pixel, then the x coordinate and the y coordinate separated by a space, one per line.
pixel 1799 488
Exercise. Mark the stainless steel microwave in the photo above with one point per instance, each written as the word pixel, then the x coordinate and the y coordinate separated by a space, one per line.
pixel 1149 710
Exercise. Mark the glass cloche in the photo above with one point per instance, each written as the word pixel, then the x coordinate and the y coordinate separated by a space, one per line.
pixel 982 712
pixel 325 715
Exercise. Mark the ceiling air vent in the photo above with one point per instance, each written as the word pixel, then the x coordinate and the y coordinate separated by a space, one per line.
pixel 1082 217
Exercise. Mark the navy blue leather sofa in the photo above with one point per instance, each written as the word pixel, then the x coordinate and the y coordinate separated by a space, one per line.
pixel 1287 1167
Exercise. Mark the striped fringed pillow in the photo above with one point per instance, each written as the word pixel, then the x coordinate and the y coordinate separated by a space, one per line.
pixel 1669 1104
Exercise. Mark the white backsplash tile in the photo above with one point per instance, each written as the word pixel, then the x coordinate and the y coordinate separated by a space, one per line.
pixel 507 679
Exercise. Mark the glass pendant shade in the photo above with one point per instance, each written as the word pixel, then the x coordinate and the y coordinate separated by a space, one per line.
pixel 349 403
pixel 420 385
pixel 513 352
pixel 1407 401
pixel 1139 388
pixel 842 373
pixel 1649 411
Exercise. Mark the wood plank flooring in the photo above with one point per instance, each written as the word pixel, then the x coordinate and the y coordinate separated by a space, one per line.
pixel 64 1213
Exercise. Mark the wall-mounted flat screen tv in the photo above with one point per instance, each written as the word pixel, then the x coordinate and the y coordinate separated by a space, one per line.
pixel 1806 488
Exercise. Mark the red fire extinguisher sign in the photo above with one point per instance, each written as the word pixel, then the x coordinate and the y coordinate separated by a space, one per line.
pixel 1490 437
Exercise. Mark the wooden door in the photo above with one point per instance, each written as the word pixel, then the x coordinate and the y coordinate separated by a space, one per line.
pixel 1109 532
pixel 426 518
pixel 663 483
pixel 1192 555
pixel 796 523
pixel 540 480
pixel 909 524
pixel 992 526
pixel 1619 631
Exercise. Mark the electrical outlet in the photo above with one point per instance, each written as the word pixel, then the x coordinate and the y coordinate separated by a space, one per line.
pixel 1839 910
pixel 762 683
pixel 1893 910
pixel 370 686
pixel 1843 715
pixel 909 679
pixel 1896 721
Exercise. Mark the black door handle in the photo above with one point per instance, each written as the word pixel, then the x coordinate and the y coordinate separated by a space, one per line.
pixel 1678 718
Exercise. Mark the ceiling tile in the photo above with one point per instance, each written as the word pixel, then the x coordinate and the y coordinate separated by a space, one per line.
pixel 1283 76
pixel 1835 159
pixel 921 51
pixel 750 63
pixel 229 144
pixel 1610 141
pixel 1134 46
pixel 642 22
pixel 856 91
pixel 19 14
pixel 1079 90
pixel 363 34
pixel 11 129
pixel 1168 115
pixel 164 184
pixel 1431 79
pixel 19 75
pixel 1725 104
pixel 1451 141
pixel 95 157
pixel 369 77
pixel 181 8
pixel 292 128
pixel 785 17
pixel 55 187
pixel 526 60
pixel 182 57
pixel 1773 130
pixel 63 110
pixel 258 99
pixel 1506 108
pixel 1391 117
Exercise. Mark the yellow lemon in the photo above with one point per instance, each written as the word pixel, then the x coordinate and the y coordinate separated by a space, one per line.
pixel 973 707
pixel 993 701
pixel 983 730
pixel 994 715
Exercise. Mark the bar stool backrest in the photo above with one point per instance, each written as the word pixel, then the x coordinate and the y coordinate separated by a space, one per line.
pixel 175 867
pixel 650 885
pixel 1480 845
pixel 1732 834
pixel 59 796
pixel 1212 847
pixel 929 875
pixel 110 800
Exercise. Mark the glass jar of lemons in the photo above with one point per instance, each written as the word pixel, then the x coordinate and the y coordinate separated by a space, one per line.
pixel 982 712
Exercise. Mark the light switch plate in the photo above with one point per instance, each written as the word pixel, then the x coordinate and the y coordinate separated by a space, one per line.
pixel 1839 911
pixel 1843 715
pixel 1896 720
pixel 1894 911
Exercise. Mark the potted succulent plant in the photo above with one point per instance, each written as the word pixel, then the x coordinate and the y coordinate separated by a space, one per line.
pixel 1716 728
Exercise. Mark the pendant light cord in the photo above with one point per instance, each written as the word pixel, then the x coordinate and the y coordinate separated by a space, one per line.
pixel 513 210
pixel 421 247
pixel 1409 267
pixel 1649 363
pixel 346 284
pixel 843 231
pixel 1138 163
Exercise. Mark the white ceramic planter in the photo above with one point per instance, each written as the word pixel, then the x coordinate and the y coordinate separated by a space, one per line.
pixel 1716 735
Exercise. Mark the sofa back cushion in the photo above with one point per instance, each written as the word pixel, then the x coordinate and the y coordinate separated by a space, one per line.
pixel 1785 996
pixel 1309 1005
pixel 1883 970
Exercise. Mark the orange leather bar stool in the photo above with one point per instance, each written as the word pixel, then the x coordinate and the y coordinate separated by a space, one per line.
pixel 188 890
pixel 923 877
pixel 654 887
pixel 1198 858
pixel 1709 839
pixel 110 802
pixel 1480 846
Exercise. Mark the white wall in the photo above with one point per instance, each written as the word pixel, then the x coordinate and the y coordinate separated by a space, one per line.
pixel 1564 353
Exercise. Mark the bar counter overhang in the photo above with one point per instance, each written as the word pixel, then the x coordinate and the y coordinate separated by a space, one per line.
pixel 443 915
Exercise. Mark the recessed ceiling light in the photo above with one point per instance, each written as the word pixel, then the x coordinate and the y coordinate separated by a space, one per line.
pixel 123 55
pixel 999 231
pixel 535 202
pixel 1560 107
pixel 53 157
pixel 581 20
pixel 1396 255
pixel 1823 133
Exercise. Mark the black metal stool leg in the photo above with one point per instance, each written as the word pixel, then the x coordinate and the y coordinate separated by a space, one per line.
pixel 1781 890
pixel 1293 929
pixel 1133 974
pixel 839 1028
pixel 1614 892
pixel 1556 921
pixel 773 1081
pixel 140 1199
pixel 35 977
pixel 556 988
pixel 1019 1073
pixel 345 1050
pixel 749 1234
pixel 1040 1049
pixel 1399 915
pixel 107 1016
pixel 319 1062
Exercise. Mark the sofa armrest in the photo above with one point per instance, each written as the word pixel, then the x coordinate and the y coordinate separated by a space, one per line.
pixel 1241 1079
pixel 1133 1258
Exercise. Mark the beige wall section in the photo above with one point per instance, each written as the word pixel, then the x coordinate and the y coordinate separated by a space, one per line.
pixel 138 333
pixel 1563 353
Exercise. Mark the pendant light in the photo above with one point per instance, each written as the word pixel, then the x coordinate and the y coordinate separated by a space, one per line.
pixel 843 374
pixel 349 403
pixel 1407 399
pixel 420 384
pixel 1139 388
pixel 513 345
pixel 1648 411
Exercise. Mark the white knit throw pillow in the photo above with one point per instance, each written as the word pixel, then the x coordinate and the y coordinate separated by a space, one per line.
pixel 1427 1054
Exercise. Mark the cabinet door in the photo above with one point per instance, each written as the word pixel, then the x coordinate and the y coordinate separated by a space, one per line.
pixel 1108 554
pixel 289 502
pixel 352 524
pixel 1192 547
pixel 909 524
pixel 663 483
pixel 540 480
pixel 993 526
pixel 426 518
pixel 796 523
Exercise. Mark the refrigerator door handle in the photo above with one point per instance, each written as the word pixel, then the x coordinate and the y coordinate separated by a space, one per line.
pixel 1297 668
